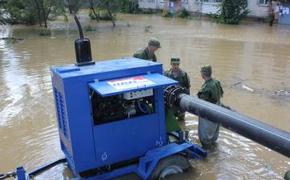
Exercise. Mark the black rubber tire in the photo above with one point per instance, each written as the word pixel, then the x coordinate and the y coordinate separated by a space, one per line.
pixel 176 160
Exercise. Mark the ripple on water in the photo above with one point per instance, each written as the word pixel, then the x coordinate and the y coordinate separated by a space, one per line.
pixel 234 156
pixel 42 146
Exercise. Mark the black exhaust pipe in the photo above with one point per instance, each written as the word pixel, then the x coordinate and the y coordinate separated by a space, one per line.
pixel 82 48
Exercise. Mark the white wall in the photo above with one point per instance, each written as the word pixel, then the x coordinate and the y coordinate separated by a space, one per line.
pixel 256 9
pixel 147 4
pixel 210 8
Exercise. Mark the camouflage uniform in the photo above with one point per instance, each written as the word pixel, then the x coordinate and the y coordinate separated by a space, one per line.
pixel 181 77
pixel 183 81
pixel 212 92
pixel 145 54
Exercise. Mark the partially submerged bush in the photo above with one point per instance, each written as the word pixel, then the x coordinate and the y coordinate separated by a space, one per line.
pixel 166 13
pixel 89 28
pixel 102 15
pixel 44 32
pixel 183 13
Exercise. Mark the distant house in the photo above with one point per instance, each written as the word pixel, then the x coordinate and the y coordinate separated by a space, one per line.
pixel 258 8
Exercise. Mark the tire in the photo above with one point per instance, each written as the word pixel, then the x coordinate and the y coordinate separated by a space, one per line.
pixel 174 164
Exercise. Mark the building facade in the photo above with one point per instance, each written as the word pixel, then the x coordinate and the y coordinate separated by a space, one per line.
pixel 258 8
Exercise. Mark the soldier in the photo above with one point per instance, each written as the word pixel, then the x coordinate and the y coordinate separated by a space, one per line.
pixel 179 75
pixel 148 53
pixel 212 92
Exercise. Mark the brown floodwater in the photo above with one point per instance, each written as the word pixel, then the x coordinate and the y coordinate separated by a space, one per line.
pixel 251 60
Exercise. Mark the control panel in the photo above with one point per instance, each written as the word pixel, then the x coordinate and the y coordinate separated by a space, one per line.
pixel 138 94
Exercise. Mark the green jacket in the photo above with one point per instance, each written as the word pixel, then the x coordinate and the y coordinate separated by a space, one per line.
pixel 211 91
pixel 181 77
pixel 144 54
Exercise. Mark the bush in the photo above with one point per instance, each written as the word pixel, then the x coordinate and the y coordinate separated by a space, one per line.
pixel 44 32
pixel 129 6
pixel 19 12
pixel 31 11
pixel 183 14
pixel 166 13
pixel 232 11
pixel 89 28
pixel 102 15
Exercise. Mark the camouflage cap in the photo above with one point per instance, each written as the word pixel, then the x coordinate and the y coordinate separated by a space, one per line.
pixel 206 70
pixel 175 60
pixel 154 42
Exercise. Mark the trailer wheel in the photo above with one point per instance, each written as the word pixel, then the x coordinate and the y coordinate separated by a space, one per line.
pixel 174 164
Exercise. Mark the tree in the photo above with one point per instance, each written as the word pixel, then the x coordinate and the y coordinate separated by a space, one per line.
pixel 110 7
pixel 32 11
pixel 129 6
pixel 47 9
pixel 2 11
pixel 93 13
pixel 73 5
pixel 20 12
pixel 232 11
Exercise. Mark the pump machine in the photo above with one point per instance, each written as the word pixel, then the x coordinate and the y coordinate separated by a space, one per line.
pixel 111 115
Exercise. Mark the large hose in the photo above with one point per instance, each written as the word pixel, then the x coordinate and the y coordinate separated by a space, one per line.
pixel 262 133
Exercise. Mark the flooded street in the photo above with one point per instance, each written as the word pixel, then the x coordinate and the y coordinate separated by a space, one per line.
pixel 252 61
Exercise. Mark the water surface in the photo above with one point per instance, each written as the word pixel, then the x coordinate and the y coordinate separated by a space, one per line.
pixel 252 61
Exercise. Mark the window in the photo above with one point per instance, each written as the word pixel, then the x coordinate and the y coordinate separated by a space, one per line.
pixel 210 1
pixel 263 2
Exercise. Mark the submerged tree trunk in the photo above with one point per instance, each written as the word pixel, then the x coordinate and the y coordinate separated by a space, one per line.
pixel 38 12
pixel 97 16
pixel 44 16
pixel 111 15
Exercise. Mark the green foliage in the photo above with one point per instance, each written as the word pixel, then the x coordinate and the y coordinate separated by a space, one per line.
pixel 102 14
pixel 104 9
pixel 73 5
pixel 111 5
pixel 166 13
pixel 183 13
pixel 44 32
pixel 32 11
pixel 2 12
pixel 20 13
pixel 232 11
pixel 129 6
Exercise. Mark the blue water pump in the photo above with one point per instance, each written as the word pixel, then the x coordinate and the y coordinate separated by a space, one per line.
pixel 112 120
